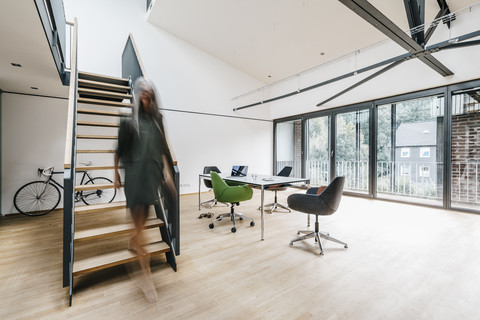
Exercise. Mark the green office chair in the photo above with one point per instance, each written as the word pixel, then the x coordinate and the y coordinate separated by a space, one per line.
pixel 230 194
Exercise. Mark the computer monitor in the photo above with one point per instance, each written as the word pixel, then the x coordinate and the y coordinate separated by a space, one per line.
pixel 239 171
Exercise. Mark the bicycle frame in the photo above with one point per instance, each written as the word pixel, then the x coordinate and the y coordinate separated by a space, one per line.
pixel 79 194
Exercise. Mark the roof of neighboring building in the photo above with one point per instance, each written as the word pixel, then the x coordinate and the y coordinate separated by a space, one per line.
pixel 413 134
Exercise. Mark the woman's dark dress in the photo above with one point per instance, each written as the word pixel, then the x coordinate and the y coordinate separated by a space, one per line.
pixel 142 158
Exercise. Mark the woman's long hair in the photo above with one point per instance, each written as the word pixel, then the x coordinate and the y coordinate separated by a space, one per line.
pixel 141 85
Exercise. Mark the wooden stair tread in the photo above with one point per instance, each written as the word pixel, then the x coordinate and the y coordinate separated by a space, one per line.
pixel 95 151
pixel 104 102
pixel 89 168
pixel 102 78
pixel 101 207
pixel 115 258
pixel 94 136
pixel 102 232
pixel 97 124
pixel 104 93
pixel 103 85
pixel 102 113
pixel 86 187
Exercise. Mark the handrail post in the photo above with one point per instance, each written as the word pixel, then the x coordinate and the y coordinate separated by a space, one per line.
pixel 69 170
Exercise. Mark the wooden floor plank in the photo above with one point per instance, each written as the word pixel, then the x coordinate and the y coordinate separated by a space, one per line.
pixel 403 262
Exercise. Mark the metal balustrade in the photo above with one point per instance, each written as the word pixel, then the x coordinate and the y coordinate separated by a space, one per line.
pixel 411 179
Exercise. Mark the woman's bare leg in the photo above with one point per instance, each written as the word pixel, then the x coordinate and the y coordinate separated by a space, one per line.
pixel 139 217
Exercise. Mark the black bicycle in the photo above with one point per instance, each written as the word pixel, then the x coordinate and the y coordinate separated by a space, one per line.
pixel 40 197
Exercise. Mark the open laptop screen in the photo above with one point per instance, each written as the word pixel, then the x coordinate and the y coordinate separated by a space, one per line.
pixel 239 171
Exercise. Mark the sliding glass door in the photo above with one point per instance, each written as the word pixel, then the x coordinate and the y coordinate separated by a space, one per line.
pixel 352 149
pixel 465 156
pixel 410 150
pixel 422 147
pixel 288 146
pixel 317 166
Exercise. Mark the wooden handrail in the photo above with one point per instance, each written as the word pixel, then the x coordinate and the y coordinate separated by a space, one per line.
pixel 72 96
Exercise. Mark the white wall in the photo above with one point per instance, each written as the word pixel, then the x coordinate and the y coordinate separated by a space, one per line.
pixel 188 80
pixel 33 136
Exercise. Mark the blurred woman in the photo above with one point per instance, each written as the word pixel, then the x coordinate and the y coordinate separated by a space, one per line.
pixel 144 153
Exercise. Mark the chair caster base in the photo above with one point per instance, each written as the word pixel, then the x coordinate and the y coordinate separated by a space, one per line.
pixel 211 226
pixel 234 230
pixel 252 223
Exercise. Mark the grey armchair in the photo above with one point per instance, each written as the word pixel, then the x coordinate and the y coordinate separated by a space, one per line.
pixel 323 204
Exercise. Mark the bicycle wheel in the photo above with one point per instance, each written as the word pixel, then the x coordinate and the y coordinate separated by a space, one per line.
pixel 36 198
pixel 99 196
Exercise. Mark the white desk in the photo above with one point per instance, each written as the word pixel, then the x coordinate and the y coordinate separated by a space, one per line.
pixel 259 180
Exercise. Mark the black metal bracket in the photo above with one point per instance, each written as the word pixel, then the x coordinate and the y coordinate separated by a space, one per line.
pixel 415 10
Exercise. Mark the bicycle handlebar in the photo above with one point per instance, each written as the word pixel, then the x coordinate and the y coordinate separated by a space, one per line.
pixel 47 172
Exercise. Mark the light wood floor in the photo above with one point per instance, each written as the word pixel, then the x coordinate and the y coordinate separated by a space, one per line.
pixel 403 262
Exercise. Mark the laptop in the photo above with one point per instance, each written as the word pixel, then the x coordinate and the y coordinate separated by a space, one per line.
pixel 239 171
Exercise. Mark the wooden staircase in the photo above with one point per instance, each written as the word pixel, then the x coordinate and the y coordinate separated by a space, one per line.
pixel 101 231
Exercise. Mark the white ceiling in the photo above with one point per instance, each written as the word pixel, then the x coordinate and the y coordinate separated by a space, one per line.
pixel 268 39
pixel 23 41
pixel 274 39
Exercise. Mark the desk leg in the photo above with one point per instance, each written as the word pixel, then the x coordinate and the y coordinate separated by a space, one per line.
pixel 262 216
pixel 199 201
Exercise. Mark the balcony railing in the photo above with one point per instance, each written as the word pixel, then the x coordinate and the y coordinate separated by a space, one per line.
pixel 423 180
pixel 465 182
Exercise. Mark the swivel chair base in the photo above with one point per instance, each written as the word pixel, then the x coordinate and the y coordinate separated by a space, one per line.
pixel 232 216
pixel 213 202
pixel 317 235
pixel 275 205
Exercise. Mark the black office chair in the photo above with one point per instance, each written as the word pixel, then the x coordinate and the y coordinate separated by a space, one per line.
pixel 322 204
pixel 285 172
pixel 208 184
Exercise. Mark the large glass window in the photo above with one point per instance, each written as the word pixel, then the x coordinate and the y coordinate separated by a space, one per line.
pixel 465 189
pixel 414 162
pixel 410 150
pixel 318 155
pixel 289 146
pixel 352 149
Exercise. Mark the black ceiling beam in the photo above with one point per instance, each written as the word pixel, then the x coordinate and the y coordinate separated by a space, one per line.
pixel 415 10
pixel 443 11
pixel 370 77
pixel 447 44
pixel 444 6
pixel 436 48
pixel 371 14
